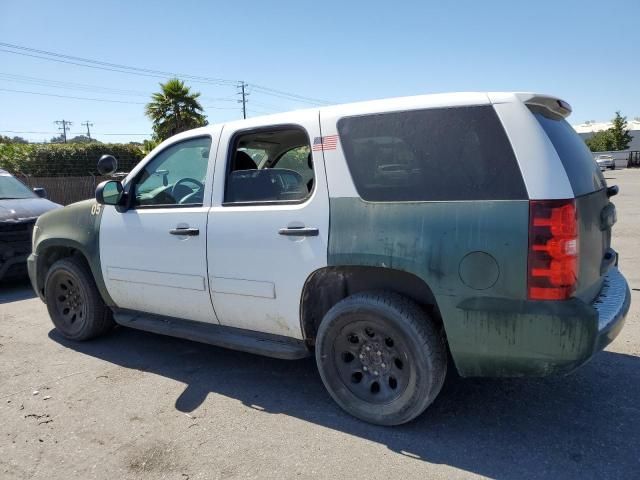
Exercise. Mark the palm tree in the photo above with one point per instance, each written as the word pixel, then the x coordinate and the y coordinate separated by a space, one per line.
pixel 174 109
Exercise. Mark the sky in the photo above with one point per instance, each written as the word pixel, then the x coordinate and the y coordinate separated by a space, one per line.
pixel 585 52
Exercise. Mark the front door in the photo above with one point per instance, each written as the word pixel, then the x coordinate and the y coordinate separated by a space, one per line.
pixel 268 225
pixel 153 255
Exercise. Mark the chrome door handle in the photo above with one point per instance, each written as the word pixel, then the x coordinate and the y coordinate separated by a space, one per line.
pixel 299 232
pixel 191 232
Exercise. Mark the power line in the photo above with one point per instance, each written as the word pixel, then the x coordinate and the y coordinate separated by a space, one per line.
pixel 94 99
pixel 275 92
pixel 67 85
pixel 267 105
pixel 81 86
pixel 114 67
pixel 75 133
pixel 72 97
pixel 220 81
pixel 84 87
pixel 256 110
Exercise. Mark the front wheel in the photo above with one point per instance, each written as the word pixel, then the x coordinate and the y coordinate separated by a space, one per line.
pixel 73 301
pixel 381 357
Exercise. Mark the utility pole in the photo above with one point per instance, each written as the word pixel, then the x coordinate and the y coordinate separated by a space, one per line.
pixel 87 124
pixel 243 91
pixel 65 124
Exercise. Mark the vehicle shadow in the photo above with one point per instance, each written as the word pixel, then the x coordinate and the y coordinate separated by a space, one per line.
pixel 15 290
pixel 586 425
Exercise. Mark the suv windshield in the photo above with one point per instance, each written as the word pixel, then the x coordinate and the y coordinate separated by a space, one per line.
pixel 583 172
pixel 10 187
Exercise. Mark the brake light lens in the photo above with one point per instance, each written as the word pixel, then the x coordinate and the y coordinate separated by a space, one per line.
pixel 553 249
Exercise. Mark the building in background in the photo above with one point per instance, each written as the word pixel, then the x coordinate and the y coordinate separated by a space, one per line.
pixel 587 129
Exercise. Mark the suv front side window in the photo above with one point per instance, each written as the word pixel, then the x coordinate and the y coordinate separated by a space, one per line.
pixel 175 176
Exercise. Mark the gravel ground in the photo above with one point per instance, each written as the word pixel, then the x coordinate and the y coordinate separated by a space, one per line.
pixel 138 405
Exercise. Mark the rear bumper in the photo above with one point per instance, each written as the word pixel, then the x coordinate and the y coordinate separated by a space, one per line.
pixel 612 305
pixel 533 338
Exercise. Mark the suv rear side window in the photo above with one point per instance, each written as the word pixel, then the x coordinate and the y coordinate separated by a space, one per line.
pixel 269 165
pixel 459 153
pixel 583 172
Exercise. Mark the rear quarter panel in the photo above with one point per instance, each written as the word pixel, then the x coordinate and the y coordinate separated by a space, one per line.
pixel 435 240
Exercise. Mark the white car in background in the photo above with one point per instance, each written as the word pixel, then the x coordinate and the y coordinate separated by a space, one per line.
pixel 606 162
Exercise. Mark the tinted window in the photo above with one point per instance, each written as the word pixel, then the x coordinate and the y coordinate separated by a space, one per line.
pixel 175 176
pixel 583 172
pixel 12 188
pixel 437 154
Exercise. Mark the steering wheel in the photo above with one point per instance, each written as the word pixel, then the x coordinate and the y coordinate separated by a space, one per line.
pixel 175 190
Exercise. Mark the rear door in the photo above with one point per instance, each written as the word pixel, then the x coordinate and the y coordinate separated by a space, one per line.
pixel 267 230
pixel 596 214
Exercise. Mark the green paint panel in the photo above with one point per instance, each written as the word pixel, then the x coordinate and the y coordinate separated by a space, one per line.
pixel 514 338
pixel 74 226
pixel 430 239
pixel 493 331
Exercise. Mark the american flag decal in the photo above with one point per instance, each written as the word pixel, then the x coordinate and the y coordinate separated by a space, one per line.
pixel 325 143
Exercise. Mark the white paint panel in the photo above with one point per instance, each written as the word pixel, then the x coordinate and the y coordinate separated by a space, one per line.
pixel 542 171
pixel 163 279
pixel 150 270
pixel 250 288
pixel 243 243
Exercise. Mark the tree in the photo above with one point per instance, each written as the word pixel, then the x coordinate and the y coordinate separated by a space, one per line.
pixel 619 134
pixel 81 139
pixel 15 139
pixel 147 146
pixel 599 141
pixel 174 109
pixel 58 139
pixel 616 137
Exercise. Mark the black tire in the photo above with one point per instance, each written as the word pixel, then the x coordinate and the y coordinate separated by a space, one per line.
pixel 381 339
pixel 74 303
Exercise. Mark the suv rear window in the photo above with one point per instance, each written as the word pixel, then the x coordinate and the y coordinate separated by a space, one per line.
pixel 583 172
pixel 459 153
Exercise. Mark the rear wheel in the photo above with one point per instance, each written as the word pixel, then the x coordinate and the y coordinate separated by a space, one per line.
pixel 381 357
pixel 73 301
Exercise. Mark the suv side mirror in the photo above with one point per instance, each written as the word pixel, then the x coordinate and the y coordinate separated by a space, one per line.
pixel 41 192
pixel 107 165
pixel 109 193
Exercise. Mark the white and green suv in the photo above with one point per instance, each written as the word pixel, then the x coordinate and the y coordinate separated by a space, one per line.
pixel 380 236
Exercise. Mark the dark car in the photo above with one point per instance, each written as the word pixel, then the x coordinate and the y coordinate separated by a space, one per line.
pixel 19 209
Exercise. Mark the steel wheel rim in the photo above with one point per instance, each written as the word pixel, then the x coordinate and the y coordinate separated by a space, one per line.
pixel 70 301
pixel 372 362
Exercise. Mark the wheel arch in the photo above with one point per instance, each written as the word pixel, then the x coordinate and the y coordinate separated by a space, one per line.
pixel 327 286
pixel 50 251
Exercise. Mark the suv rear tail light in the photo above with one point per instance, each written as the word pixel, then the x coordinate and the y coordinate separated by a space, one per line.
pixel 553 249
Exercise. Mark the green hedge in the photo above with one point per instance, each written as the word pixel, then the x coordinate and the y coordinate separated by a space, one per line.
pixel 59 160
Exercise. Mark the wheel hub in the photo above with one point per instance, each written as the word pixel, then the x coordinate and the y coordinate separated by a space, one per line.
pixel 371 363
pixel 374 358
